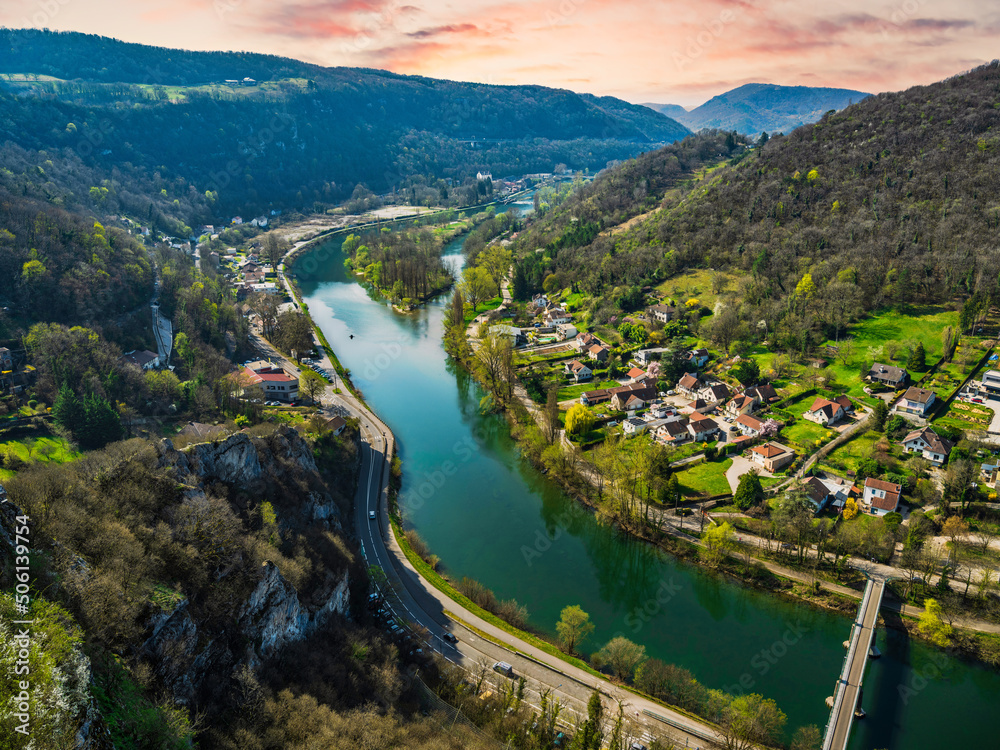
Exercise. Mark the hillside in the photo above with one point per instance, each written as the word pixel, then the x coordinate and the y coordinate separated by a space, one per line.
pixel 888 202
pixel 303 133
pixel 763 107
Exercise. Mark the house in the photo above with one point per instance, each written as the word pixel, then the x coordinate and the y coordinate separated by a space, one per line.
pixel 816 491
pixel 741 404
pixel 881 497
pixel 824 411
pixel 579 371
pixel 927 443
pixel 540 300
pixel 620 396
pixel 645 356
pixel 514 335
pixel 253 273
pixel 634 426
pixel 265 287
pixel 772 456
pixel 673 433
pixel 700 406
pixel 598 396
pixel 988 474
pixel 6 360
pixel 566 330
pixel 991 382
pixel 662 313
pixel 237 220
pixel 690 385
pixel 916 401
pixel 765 394
pixel 702 428
pixel 888 375
pixel 715 392
pixel 144 360
pixel 828 489
pixel 336 425
pixel 633 403
pixel 598 353
pixel 748 425
pixel 249 82
pixel 556 316
pixel 697 357
pixel 276 383
pixel 584 341
pixel 636 373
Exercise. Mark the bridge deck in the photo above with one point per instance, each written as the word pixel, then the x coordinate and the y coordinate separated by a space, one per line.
pixel 838 729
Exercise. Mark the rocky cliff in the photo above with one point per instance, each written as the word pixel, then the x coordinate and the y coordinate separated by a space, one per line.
pixel 188 656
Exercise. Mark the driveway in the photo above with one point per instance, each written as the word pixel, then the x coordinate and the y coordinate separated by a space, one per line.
pixel 740 467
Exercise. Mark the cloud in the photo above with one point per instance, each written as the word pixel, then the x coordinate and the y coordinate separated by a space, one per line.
pixel 461 28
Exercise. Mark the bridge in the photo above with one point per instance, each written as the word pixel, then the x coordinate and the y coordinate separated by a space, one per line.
pixel 847 700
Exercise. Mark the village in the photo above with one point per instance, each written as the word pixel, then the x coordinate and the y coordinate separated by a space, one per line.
pixel 875 442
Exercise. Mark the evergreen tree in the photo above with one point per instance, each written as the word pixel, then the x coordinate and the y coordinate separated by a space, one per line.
pixel 879 414
pixel 916 360
pixel 749 492
pixel 67 411
pixel 101 423
pixel 519 284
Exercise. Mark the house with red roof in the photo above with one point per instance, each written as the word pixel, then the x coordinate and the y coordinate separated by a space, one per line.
pixel 824 411
pixel 881 497
pixel 772 456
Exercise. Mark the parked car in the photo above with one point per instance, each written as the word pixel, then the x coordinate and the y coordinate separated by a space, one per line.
pixel 671 393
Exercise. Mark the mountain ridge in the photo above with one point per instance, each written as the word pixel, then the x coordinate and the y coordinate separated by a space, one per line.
pixel 757 107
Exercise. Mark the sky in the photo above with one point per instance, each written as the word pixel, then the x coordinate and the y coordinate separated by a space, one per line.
pixel 665 51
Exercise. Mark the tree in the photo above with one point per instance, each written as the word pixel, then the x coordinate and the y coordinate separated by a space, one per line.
pixel 955 529
pixel 67 411
pixel 948 341
pixel 184 349
pixel 495 260
pixel 456 311
pixel 495 365
pixel 621 655
pixel 590 736
pixel 718 541
pixel 747 372
pixel 749 492
pixel 477 286
pixel 311 384
pixel 573 627
pixel 879 414
pixel 101 423
pixel 726 327
pixel 917 356
pixel 932 626
pixel 984 534
pixel 807 738
pixel 752 720
pixel 552 414
pixel 850 509
pixel 579 420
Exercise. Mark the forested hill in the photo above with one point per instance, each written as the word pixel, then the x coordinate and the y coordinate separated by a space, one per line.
pixel 890 201
pixel 303 133
pixel 759 107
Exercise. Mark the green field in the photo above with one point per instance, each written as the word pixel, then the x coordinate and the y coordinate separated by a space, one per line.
pixel 44 449
pixel 924 325
pixel 694 285
pixel 846 457
pixel 803 435
pixel 705 479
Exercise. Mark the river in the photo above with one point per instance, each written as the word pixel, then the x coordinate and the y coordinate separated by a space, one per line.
pixel 490 516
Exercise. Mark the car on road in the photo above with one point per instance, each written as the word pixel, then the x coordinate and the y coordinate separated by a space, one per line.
pixel 371 515
pixel 450 638
pixel 503 668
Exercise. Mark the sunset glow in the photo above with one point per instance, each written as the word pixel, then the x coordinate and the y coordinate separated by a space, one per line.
pixel 642 50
